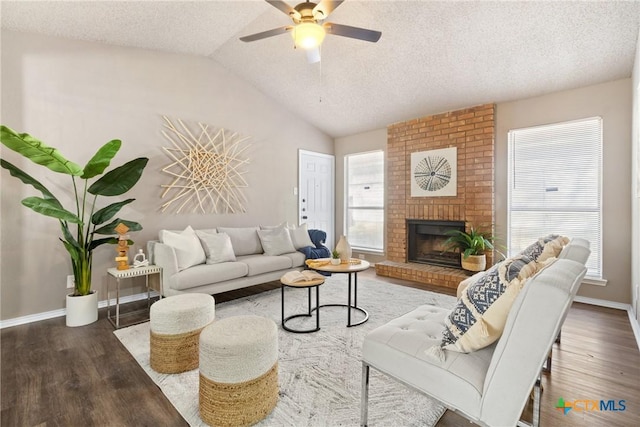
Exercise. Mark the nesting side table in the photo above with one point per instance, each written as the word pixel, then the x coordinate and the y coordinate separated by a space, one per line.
pixel 128 274
pixel 306 284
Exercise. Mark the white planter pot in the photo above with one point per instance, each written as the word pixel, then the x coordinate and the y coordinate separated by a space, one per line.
pixel 335 261
pixel 474 262
pixel 82 310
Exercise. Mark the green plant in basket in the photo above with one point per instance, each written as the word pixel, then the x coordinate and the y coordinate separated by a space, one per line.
pixel 82 224
pixel 472 243
pixel 335 254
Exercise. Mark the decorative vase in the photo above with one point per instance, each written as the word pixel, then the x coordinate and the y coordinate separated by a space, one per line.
pixel 335 261
pixel 82 310
pixel 344 248
pixel 474 262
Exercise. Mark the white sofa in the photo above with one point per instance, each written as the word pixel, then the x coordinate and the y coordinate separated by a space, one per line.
pixel 251 265
pixel 489 386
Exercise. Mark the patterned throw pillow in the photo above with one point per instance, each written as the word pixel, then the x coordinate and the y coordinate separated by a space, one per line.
pixel 545 248
pixel 479 317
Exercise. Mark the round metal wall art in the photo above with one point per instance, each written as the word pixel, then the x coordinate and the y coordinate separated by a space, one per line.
pixel 432 173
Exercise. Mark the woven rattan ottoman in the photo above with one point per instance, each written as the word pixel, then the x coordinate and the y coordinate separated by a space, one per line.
pixel 175 325
pixel 238 370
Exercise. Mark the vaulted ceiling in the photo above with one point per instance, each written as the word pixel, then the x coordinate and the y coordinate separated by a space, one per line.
pixel 433 56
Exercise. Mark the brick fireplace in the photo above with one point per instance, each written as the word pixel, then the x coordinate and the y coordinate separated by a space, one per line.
pixel 472 132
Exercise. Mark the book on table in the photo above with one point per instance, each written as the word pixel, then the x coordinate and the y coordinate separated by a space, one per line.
pixel 301 276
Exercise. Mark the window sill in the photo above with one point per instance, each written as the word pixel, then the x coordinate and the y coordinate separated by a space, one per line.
pixel 596 281
pixel 367 251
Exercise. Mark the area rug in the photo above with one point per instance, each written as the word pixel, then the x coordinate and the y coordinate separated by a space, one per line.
pixel 319 373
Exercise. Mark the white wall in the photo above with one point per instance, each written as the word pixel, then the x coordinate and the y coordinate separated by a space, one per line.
pixel 358 143
pixel 635 180
pixel 613 102
pixel 76 96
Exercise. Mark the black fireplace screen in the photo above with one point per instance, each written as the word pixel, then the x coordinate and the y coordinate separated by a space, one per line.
pixel 425 242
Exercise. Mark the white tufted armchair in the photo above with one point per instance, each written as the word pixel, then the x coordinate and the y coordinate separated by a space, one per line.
pixel 490 386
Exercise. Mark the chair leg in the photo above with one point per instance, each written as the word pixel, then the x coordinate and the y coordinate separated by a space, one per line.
pixel 547 365
pixel 364 397
pixel 537 392
pixel 536 403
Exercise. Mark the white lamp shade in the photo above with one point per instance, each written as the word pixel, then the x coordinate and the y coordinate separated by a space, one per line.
pixel 308 35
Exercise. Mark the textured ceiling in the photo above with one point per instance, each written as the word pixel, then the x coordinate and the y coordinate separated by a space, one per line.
pixel 432 57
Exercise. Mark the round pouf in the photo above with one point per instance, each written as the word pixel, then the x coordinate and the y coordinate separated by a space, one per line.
pixel 175 326
pixel 238 370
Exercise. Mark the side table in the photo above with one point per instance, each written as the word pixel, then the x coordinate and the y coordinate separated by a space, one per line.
pixel 350 268
pixel 306 284
pixel 127 274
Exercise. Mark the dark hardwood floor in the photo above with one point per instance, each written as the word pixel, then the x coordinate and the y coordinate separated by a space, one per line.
pixel 58 376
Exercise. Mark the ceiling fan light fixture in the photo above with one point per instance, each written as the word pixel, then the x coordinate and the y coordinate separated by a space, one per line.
pixel 308 35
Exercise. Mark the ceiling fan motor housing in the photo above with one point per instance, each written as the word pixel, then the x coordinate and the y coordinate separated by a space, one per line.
pixel 307 14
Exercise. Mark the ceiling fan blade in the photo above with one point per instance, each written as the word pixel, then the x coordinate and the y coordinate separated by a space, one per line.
pixel 313 55
pixel 265 34
pixel 352 32
pixel 326 7
pixel 284 8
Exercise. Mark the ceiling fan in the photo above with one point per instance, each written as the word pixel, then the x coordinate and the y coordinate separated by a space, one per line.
pixel 309 28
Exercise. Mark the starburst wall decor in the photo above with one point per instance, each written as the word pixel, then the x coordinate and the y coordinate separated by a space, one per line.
pixel 434 173
pixel 207 169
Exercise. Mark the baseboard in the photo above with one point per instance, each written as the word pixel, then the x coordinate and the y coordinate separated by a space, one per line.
pixel 62 312
pixel 602 303
pixel 635 326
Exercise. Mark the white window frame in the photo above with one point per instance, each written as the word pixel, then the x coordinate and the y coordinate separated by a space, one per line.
pixel 347 207
pixel 591 279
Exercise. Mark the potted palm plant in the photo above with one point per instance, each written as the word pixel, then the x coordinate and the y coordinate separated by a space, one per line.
pixel 82 224
pixel 472 247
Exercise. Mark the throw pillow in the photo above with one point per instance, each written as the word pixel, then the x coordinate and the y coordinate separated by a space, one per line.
pixel 186 245
pixel 245 240
pixel 284 224
pixel 479 317
pixel 464 284
pixel 276 241
pixel 300 237
pixel 545 248
pixel 217 247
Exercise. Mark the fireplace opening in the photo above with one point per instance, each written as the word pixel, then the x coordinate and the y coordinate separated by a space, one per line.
pixel 425 242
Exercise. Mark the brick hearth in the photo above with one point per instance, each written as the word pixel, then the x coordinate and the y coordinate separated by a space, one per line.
pixel 472 131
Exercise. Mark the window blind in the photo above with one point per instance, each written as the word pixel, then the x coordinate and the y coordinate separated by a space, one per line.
pixel 364 218
pixel 555 185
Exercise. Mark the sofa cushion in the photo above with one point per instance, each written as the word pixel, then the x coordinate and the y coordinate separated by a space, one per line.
pixel 186 245
pixel 258 264
pixel 276 241
pixel 297 258
pixel 400 347
pixel 479 317
pixel 206 274
pixel 245 240
pixel 300 237
pixel 217 247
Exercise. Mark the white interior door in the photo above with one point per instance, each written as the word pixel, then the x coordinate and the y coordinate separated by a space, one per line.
pixel 316 198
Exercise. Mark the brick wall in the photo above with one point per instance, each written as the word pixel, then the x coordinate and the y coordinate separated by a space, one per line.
pixel 470 130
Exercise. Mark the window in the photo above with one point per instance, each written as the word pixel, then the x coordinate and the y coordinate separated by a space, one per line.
pixel 364 204
pixel 555 182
